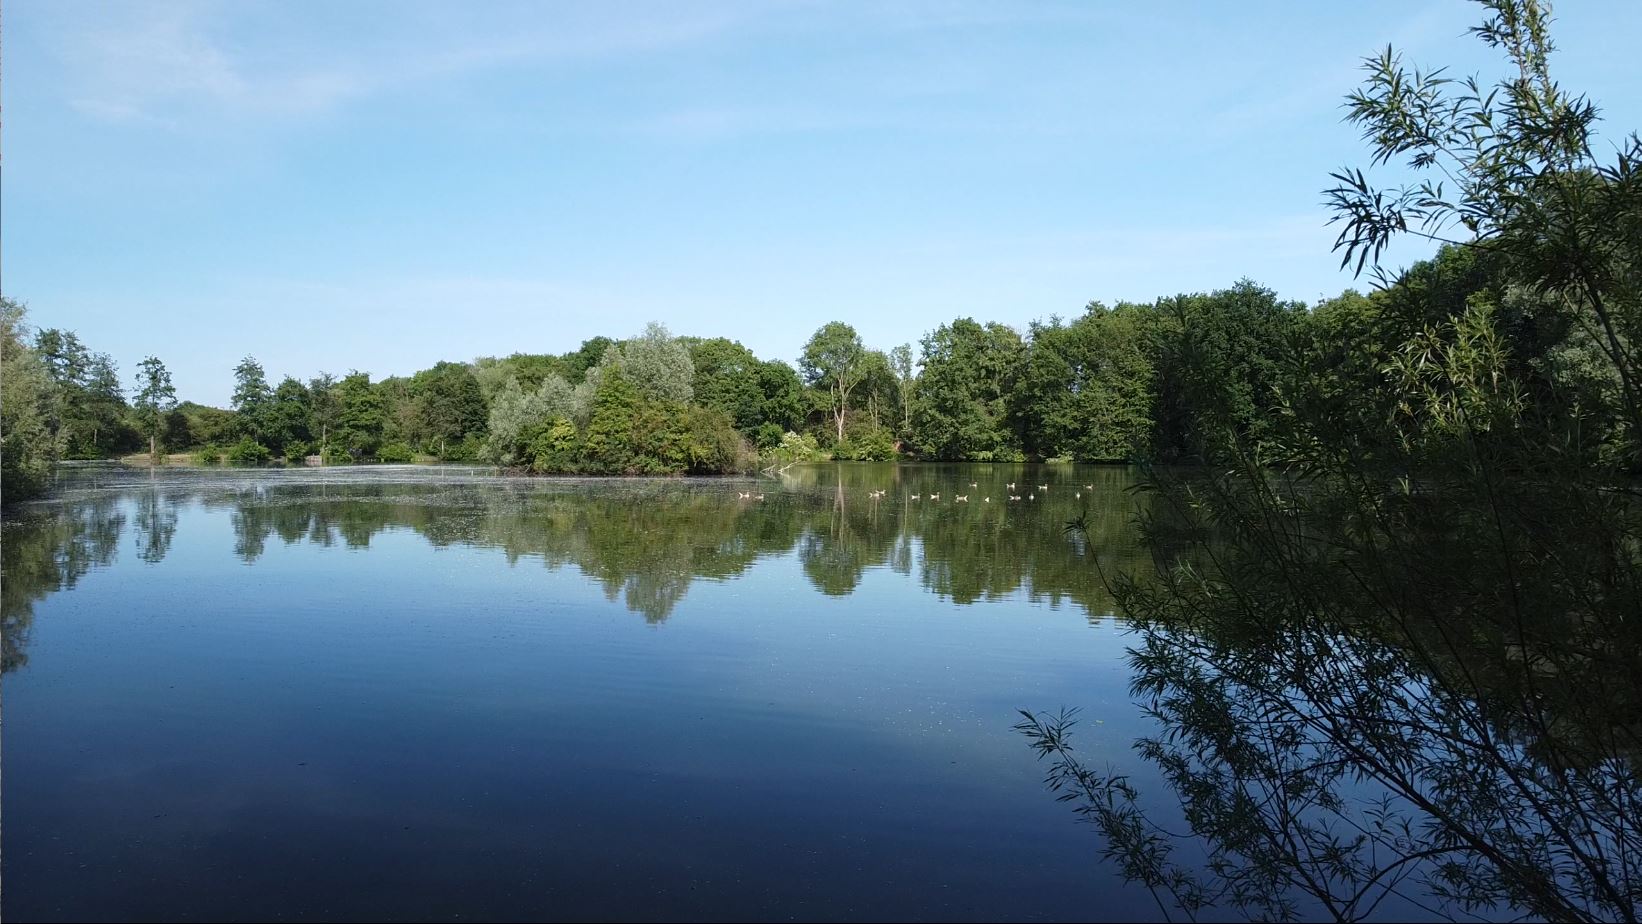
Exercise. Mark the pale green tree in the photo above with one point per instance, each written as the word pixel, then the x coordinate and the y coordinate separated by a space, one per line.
pixel 900 361
pixel 835 360
pixel 658 365
pixel 514 412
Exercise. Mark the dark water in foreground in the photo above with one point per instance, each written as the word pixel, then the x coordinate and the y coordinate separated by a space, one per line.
pixel 434 693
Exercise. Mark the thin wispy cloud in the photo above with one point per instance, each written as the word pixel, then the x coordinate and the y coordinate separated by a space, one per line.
pixel 155 64
pixel 166 62
pixel 137 65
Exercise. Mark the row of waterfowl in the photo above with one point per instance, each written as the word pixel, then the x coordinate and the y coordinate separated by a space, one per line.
pixel 936 496
pixel 964 498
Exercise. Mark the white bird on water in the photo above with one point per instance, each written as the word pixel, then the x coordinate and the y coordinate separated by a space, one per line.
pixel 935 497
pixel 1043 487
pixel 1010 486
pixel 961 498
pixel 744 494
pixel 913 496
pixel 1014 497
pixel 759 497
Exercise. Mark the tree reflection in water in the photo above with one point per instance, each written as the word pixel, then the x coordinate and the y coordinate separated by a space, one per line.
pixel 643 541
pixel 47 551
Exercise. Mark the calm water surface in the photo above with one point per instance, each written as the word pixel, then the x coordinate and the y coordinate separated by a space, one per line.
pixel 437 693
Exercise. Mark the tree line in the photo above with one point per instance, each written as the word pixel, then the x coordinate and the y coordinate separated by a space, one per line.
pixel 1109 385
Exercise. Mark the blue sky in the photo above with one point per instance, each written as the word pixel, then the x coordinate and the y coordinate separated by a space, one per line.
pixel 380 186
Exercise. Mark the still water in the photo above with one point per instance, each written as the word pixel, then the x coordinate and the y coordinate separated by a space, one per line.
pixel 438 693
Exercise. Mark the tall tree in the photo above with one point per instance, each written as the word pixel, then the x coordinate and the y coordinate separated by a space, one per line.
pixel 783 396
pixel 251 397
pixel 400 423
pixel 156 399
pixel 322 408
pixel 615 411
pixel 878 393
pixel 726 378
pixel 449 405
pixel 1086 388
pixel 360 415
pixel 1219 355
pixel 66 359
pixel 285 420
pixel 835 360
pixel 68 363
pixel 962 408
pixel 104 403
pixel 900 361
pixel 85 405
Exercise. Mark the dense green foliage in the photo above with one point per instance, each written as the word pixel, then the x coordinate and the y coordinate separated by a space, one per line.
pixel 447 411
pixel 760 397
pixel 1406 671
pixel 962 408
pixel 1089 386
pixel 86 402
pixel 251 396
pixel 247 452
pixel 27 447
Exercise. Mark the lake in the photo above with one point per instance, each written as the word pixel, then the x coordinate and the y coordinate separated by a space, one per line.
pixel 409 692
